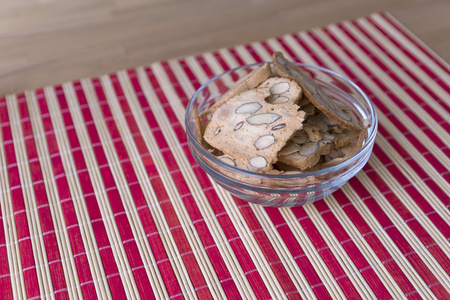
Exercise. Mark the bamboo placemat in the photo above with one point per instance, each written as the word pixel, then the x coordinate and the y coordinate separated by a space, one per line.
pixel 101 198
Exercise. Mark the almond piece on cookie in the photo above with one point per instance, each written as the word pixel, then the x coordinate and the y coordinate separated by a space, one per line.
pixel 304 156
pixel 251 130
pixel 252 80
pixel 314 92
pixel 282 90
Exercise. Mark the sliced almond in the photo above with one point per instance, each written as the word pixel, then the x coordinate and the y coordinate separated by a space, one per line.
pixel 264 141
pixel 289 149
pixel 300 139
pixel 366 123
pixel 260 119
pixel 238 126
pixel 228 161
pixel 258 162
pixel 279 88
pixel 280 99
pixel 248 108
pixel 309 149
pixel 279 126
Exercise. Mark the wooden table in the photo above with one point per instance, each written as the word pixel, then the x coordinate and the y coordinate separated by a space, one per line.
pixel 53 41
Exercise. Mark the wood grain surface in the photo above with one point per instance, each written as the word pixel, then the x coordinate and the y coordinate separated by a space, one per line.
pixel 46 42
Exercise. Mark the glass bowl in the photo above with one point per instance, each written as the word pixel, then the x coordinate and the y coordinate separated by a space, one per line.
pixel 282 190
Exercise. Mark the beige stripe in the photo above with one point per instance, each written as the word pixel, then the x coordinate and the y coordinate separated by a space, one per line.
pixel 415 154
pixel 387 243
pixel 170 185
pixel 292 43
pixel 408 232
pixel 217 68
pixel 182 214
pixel 262 265
pixel 95 176
pixel 251 245
pixel 171 95
pixel 288 261
pixel 36 237
pixel 362 245
pixel 396 91
pixel 282 251
pixel 339 253
pixel 227 252
pixel 214 226
pixel 408 235
pixel 196 68
pixel 313 255
pixel 11 240
pixel 163 228
pixel 414 49
pixel 416 180
pixel 228 58
pixel 62 238
pixel 337 249
pixel 84 223
pixel 368 216
pixel 411 103
pixel 409 203
pixel 369 254
pixel 190 178
pixel 413 67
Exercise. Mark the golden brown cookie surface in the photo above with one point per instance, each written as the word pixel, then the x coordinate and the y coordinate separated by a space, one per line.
pixel 314 92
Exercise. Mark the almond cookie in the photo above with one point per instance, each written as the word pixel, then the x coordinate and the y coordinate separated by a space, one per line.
pixel 252 80
pixel 304 156
pixel 340 154
pixel 251 130
pixel 314 92
pixel 282 90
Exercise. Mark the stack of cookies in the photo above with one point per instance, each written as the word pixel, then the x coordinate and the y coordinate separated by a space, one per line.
pixel 279 120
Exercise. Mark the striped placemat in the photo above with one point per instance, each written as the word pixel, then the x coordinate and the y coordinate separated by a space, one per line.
pixel 101 198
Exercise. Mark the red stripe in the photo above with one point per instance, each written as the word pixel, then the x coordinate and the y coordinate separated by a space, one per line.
pixel 236 56
pixel 398 101
pixel 412 191
pixel 414 59
pixel 326 254
pixel 253 53
pixel 353 252
pixel 67 207
pixel 118 210
pixel 235 242
pixel 262 241
pixel 419 82
pixel 268 250
pixel 183 189
pixel 318 42
pixel 299 255
pixel 379 104
pixel 371 238
pixel 349 246
pixel 18 204
pixel 414 40
pixel 48 230
pixel 290 241
pixel 105 251
pixel 5 277
pixel 420 232
pixel 402 244
pixel 270 253
pixel 171 217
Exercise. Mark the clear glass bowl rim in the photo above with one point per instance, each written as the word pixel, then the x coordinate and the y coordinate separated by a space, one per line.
pixel 370 141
